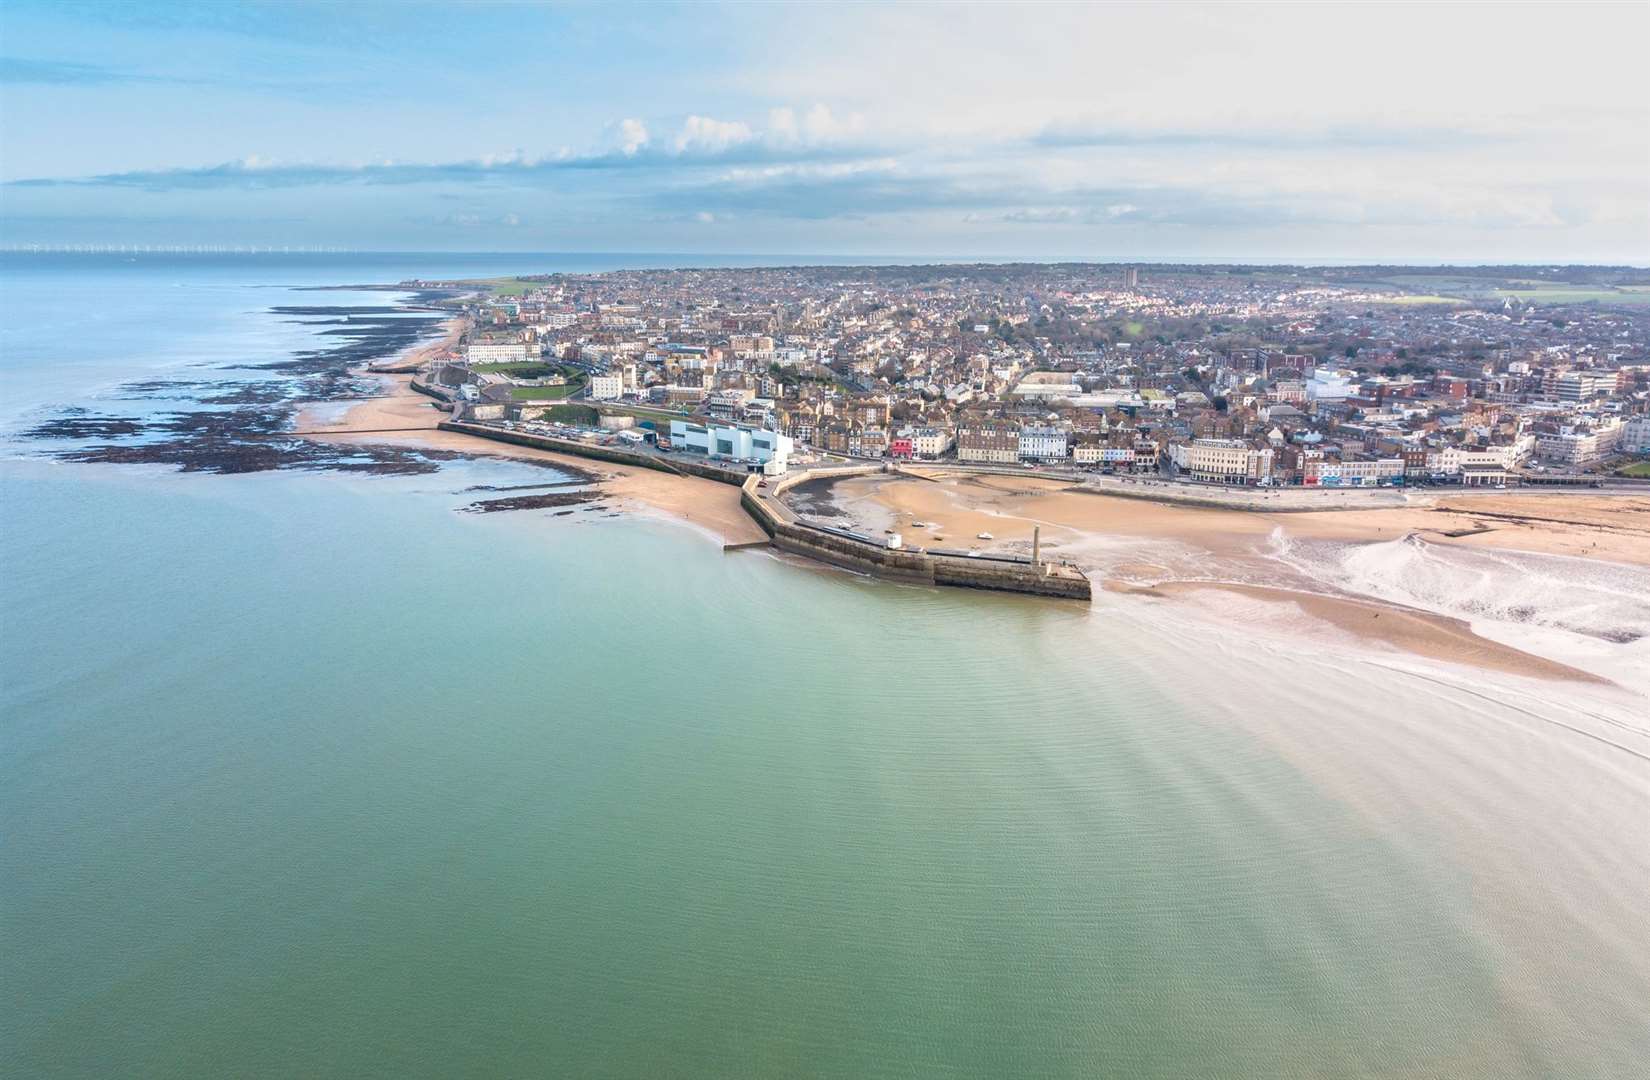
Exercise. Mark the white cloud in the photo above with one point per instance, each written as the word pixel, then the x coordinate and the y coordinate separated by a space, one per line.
pixel 819 125
pixel 701 134
pixel 517 156
pixel 632 135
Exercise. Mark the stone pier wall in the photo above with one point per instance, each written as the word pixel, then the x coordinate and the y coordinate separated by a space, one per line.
pixel 840 548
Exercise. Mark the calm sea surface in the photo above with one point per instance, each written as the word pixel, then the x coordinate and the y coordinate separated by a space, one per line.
pixel 307 774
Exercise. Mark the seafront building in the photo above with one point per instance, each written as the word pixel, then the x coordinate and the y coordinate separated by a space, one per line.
pixel 1043 443
pixel 988 444
pixel 738 443
pixel 1223 461
pixel 505 352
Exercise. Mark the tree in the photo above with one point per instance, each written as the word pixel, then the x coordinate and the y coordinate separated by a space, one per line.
pixel 1351 351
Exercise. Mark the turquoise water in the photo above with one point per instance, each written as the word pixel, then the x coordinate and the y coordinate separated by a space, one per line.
pixel 307 774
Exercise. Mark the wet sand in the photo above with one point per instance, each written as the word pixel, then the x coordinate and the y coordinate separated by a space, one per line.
pixel 1182 551
pixel 1421 633
pixel 404 417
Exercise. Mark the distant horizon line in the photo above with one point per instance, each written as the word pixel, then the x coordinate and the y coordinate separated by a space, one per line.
pixel 1642 263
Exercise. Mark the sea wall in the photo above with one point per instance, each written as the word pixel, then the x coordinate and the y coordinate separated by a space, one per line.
pixel 430 391
pixel 680 466
pixel 1280 500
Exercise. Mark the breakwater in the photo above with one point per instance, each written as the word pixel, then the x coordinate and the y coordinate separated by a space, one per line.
pixel 792 533
pixel 841 547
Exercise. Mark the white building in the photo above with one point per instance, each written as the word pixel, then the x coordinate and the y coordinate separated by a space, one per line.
pixel 514 352
pixel 1578 386
pixel 929 442
pixel 734 442
pixel 1047 386
pixel 1451 460
pixel 1635 435
pixel 1038 443
pixel 1326 385
pixel 606 387
pixel 1574 447
pixel 1111 399
pixel 1222 461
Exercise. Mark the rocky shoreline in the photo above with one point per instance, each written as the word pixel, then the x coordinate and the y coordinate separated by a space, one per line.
pixel 229 425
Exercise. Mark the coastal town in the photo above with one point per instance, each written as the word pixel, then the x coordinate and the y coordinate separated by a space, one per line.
pixel 1250 377
pixel 934 539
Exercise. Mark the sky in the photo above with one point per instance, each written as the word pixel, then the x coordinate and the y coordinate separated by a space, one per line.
pixel 1394 131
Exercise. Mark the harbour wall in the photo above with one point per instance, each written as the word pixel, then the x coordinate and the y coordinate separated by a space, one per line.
pixel 838 547
pixel 842 548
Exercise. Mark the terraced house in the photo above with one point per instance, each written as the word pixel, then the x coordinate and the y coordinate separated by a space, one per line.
pixel 988 443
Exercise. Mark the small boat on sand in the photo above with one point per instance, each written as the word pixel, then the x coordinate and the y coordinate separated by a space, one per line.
pixel 986 536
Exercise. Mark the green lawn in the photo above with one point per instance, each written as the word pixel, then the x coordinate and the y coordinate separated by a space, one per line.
pixel 1443 288
pixel 1639 469
pixel 583 415
pixel 1575 294
pixel 509 286
pixel 544 393
pixel 525 368
pixel 660 419
pixel 1437 285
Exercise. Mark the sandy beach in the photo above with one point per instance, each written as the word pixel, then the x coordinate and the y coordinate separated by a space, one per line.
pixel 1142 548
pixel 1612 528
pixel 405 417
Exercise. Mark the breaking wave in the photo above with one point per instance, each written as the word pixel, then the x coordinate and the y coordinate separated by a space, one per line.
pixel 1605 601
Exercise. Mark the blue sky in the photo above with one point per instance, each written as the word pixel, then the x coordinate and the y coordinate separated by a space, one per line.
pixel 1265 131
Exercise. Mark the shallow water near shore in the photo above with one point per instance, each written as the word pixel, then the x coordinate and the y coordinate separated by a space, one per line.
pixel 311 774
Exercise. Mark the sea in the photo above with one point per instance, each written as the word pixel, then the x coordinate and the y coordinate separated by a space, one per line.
pixel 305 771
